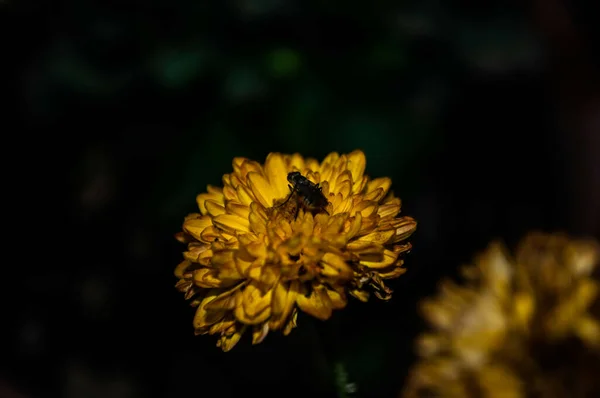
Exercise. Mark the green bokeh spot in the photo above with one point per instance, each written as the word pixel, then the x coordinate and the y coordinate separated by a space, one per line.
pixel 283 62
pixel 177 68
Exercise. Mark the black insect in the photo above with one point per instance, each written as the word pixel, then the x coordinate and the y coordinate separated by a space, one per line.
pixel 310 193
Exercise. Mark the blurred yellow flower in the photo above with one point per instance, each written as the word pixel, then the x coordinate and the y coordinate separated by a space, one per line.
pixel 254 257
pixel 527 326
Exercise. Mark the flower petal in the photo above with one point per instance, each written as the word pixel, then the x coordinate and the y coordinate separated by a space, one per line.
pixel 232 223
pixel 384 183
pixel 276 172
pixel 380 237
pixel 262 190
pixel 203 318
pixel 253 306
pixel 244 195
pixel 284 298
pixel 195 226
pixel 180 269
pixel 388 258
pixel 227 342
pixel 213 208
pixel 201 199
pixel 238 209
pixel 206 278
pixel 390 209
pixel 317 303
pixel 259 333
pixel 356 164
pixel 335 266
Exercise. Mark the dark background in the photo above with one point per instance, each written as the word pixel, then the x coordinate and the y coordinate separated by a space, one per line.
pixel 484 113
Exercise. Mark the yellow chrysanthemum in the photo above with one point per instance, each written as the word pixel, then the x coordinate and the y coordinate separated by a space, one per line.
pixel 254 258
pixel 522 327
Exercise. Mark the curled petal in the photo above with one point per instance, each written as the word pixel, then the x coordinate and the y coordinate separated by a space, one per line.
pixel 253 306
pixel 259 333
pixel 215 195
pixel 379 183
pixel 317 303
pixel 181 268
pixel 388 258
pixel 207 278
pixel 335 266
pixel 228 341
pixel 205 318
pixel 195 226
pixel 284 298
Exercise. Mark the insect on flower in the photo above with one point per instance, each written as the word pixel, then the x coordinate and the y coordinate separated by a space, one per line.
pixel 310 193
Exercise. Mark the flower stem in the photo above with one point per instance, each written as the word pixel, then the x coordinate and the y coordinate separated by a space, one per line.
pixel 331 343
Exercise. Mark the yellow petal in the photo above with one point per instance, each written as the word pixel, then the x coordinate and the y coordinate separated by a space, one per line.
pixel 367 247
pixel 359 294
pixel 389 209
pixel 394 272
pixel 262 190
pixel 384 183
pixel 317 304
pixel 201 199
pixel 230 192
pixel 341 204
pixel 291 323
pixel 199 253
pixel 195 226
pixel 359 186
pixel 404 227
pixel 335 266
pixel 374 196
pixel 250 166
pixel 206 278
pixel 356 164
pixel 296 162
pixel 243 262
pixel 366 208
pixel 203 318
pixel 227 342
pixel 244 195
pixel 276 172
pixel 380 237
pixel 326 165
pixel 213 208
pixel 229 273
pixel 259 333
pixel 284 298
pixel 238 209
pixel 265 275
pixel 226 300
pixel 388 258
pixel 338 300
pixel 257 249
pixel 341 183
pixel 232 223
pixel 210 234
pixel 180 269
pixel 222 327
pixel 253 306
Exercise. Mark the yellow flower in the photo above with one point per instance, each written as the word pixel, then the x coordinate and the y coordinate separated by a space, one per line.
pixel 527 326
pixel 256 255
